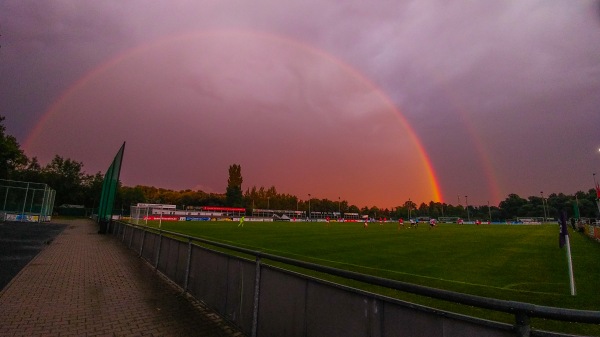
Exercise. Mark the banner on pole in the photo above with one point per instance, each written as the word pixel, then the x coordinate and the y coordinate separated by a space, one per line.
pixel 109 187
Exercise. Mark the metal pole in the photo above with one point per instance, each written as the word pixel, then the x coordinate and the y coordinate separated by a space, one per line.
pixel 44 210
pixel 142 245
pixel 131 238
pixel 24 202
pixel 5 197
pixel 187 268
pixel 160 221
pixel 490 211
pixel 256 297
pixel 597 192
pixel 522 324
pixel 544 206
pixel 31 204
pixel 158 251
pixel 571 277
pixel 467 202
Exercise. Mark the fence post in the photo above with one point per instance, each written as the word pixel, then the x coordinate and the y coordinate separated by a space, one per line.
pixel 158 251
pixel 5 198
pixel 142 245
pixel 256 296
pixel 187 268
pixel 131 238
pixel 523 324
pixel 24 203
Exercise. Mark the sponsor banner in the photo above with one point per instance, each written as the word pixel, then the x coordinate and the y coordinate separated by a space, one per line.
pixel 197 219
pixel 163 206
pixel 163 218
pixel 22 217
pixel 223 209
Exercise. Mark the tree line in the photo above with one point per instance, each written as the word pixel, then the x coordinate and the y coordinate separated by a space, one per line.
pixel 74 186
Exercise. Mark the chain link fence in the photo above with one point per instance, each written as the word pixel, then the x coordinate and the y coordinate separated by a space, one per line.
pixel 25 201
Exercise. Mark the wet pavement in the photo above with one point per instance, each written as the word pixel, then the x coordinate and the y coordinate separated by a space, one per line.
pixel 20 242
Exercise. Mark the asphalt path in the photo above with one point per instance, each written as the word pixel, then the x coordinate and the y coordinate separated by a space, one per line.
pixel 20 242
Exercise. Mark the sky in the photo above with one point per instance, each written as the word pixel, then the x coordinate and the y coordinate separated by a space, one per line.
pixel 374 102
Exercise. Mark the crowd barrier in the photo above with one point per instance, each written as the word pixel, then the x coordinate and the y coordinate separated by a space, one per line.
pixel 265 300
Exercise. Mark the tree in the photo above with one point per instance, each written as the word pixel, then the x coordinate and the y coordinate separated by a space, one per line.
pixel 511 206
pixel 11 155
pixel 233 195
pixel 66 177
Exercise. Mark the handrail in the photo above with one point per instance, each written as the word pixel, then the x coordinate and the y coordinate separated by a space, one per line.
pixel 513 307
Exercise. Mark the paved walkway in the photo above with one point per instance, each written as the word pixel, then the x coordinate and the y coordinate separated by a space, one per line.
pixel 86 284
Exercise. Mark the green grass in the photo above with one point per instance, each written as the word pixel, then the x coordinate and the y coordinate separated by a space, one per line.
pixel 520 263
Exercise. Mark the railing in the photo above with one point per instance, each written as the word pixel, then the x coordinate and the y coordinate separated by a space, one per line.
pixel 284 302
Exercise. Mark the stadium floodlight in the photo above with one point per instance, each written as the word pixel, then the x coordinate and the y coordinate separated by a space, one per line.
pixel 544 205
pixel 467 202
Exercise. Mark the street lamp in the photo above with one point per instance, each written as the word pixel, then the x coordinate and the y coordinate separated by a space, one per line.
pixel 544 205
pixel 490 211
pixel 467 202
pixel 339 207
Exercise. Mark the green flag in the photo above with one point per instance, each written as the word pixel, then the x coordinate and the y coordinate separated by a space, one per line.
pixel 576 208
pixel 109 187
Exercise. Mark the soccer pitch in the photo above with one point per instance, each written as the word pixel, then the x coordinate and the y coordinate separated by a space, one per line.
pixel 511 262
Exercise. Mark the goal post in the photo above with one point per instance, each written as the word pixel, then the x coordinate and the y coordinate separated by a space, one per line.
pixel 448 219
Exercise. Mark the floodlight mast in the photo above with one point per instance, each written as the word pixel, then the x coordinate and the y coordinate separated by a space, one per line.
pixel 597 188
pixel 544 205
pixel 467 202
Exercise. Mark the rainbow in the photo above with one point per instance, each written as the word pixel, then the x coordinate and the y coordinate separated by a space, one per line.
pixel 55 106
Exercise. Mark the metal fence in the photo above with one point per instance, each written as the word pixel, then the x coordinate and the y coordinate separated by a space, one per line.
pixel 25 201
pixel 264 300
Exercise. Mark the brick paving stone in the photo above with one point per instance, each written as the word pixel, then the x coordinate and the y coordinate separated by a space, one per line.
pixel 86 284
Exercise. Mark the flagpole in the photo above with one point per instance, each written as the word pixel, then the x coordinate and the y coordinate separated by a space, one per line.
pixel 570 263
pixel 563 240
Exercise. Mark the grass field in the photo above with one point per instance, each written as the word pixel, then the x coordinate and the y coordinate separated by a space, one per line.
pixel 521 263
